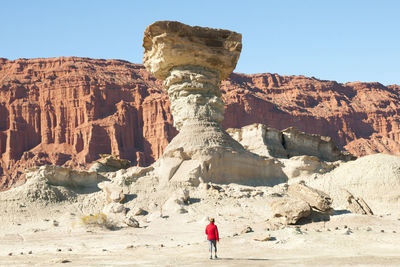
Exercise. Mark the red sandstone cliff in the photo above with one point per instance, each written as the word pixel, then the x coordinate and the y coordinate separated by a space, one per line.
pixel 66 111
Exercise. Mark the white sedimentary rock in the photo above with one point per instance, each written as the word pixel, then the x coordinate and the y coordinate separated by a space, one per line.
pixel 288 210
pixel 374 178
pixel 57 175
pixel 265 141
pixel 315 198
pixel 109 163
pixel 192 61
pixel 114 193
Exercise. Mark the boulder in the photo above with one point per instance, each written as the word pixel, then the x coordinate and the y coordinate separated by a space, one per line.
pixel 116 215
pixel 315 198
pixel 109 163
pixel 289 210
pixel 114 193
pixel 138 211
pixel 182 196
pixel 131 221
pixel 114 208
pixel 246 230
pixel 177 202
pixel 357 205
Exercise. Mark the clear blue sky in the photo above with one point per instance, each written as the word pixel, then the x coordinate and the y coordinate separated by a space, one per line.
pixel 345 40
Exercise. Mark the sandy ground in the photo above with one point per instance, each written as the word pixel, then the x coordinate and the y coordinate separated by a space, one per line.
pixel 41 225
pixel 344 240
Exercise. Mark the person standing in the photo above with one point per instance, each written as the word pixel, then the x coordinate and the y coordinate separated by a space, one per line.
pixel 212 237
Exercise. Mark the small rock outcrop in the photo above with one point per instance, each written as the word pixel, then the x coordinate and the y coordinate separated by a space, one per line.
pixel 298 143
pixel 62 176
pixel 113 192
pixel 192 61
pixel 270 142
pixel 357 205
pixel 109 163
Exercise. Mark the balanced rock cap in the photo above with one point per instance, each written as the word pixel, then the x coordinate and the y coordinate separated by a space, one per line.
pixel 170 43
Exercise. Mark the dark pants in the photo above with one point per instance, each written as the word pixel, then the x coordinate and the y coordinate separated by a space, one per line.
pixel 212 243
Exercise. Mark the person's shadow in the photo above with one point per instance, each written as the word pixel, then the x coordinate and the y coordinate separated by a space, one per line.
pixel 247 259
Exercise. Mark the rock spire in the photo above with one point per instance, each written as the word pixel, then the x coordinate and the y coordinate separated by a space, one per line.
pixel 192 61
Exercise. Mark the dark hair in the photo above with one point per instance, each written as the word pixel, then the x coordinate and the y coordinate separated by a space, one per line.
pixel 212 220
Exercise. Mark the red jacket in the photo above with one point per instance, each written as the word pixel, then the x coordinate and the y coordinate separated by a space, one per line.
pixel 212 232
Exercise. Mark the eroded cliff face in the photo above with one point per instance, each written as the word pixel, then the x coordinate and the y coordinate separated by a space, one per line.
pixel 363 118
pixel 66 111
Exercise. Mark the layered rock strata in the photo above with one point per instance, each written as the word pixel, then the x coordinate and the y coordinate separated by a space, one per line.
pixel 192 61
pixel 290 142
pixel 68 110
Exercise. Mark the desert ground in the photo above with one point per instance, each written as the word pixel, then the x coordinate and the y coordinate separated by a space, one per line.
pixel 50 231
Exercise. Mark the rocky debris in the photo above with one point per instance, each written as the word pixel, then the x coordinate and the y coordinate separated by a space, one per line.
pixel 357 205
pixel 347 231
pixel 182 195
pixel 115 213
pixel 109 163
pixel 315 198
pixel 113 208
pixel 138 211
pixel 131 221
pixel 265 238
pixel 114 193
pixel 246 230
pixel 61 261
pixel 130 175
pixel 288 210
pixel 172 206
pixel 176 203
pixel 117 216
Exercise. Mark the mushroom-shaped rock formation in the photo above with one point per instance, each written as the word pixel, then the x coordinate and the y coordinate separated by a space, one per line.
pixel 192 61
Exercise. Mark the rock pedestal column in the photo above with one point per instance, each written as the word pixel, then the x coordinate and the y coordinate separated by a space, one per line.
pixel 192 61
